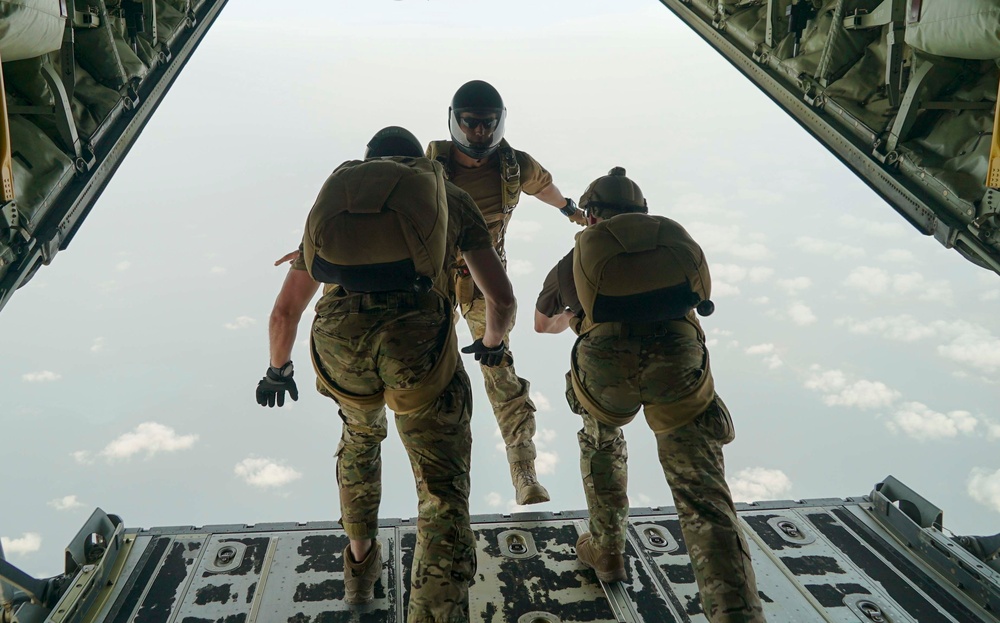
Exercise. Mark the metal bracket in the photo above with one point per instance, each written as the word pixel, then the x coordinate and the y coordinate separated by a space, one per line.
pixel 517 544
pixel 86 19
pixel 993 171
pixel 926 82
pixel 771 35
pixel 862 20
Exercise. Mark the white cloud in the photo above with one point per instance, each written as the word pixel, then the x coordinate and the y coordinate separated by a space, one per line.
pixel 920 422
pixel 219 270
pixel 82 456
pixel 990 295
pixel 837 250
pixel 98 345
pixel 494 499
pixel 123 266
pixel 872 280
pixel 902 328
pixel 984 487
pixel 838 391
pixel 759 483
pixel 898 256
pixel 801 314
pixel 767 354
pixel 45 376
pixel 760 300
pixel 973 345
pixel 544 436
pixel 728 272
pixel 722 289
pixel 517 268
pixel 148 437
pixel 541 402
pixel 519 229
pixel 992 430
pixel 872 228
pixel 242 322
pixel 758 274
pixel 265 473
pixel 796 285
pixel 545 462
pixel 868 279
pixel 65 503
pixel 28 543
pixel 728 239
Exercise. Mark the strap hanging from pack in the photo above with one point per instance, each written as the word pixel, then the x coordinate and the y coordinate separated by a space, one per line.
pixel 510 178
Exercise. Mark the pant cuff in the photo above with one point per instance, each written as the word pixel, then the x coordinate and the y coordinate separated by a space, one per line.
pixel 359 531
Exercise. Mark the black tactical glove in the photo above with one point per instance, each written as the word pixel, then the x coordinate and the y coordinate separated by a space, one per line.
pixel 272 387
pixel 487 356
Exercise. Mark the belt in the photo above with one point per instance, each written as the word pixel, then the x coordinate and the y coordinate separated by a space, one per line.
pixel 644 329
pixel 407 301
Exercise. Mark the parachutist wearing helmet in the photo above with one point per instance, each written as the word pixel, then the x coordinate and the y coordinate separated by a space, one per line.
pixel 480 161
pixel 382 237
pixel 629 289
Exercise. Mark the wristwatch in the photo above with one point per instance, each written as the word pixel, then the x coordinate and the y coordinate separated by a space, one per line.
pixel 569 209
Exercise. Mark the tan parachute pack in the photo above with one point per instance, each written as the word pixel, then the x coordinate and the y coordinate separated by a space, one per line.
pixel 638 268
pixel 379 225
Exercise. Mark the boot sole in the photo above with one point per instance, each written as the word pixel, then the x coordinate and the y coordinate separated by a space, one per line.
pixel 607 576
pixel 537 496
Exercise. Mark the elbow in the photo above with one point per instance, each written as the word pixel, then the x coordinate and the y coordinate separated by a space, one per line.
pixel 542 322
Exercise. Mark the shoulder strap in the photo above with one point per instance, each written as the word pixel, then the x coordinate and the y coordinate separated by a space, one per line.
pixel 510 176
pixel 441 152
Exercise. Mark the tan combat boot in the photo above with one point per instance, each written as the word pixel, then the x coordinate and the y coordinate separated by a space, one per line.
pixel 360 577
pixel 609 566
pixel 522 474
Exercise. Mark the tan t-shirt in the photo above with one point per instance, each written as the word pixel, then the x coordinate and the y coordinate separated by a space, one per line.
pixel 486 187
pixel 467 231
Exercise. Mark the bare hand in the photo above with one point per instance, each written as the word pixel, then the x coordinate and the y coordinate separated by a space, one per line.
pixel 288 257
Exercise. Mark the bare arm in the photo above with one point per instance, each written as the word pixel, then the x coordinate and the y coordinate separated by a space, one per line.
pixel 553 324
pixel 296 292
pixel 491 278
pixel 552 196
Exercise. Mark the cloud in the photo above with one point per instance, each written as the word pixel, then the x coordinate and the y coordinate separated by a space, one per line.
pixel 972 345
pixel 836 250
pixel 760 300
pixel 545 462
pixel 123 266
pixel 218 270
pixel 726 276
pixel 984 487
pixel 517 268
pixel 992 430
pixel 767 354
pixel 494 499
pixel 545 436
pixel 728 239
pixel 98 345
pixel 541 402
pixel 875 281
pixel 265 473
pixel 242 322
pixel 65 503
pixel 28 543
pixel 869 280
pixel 794 286
pixel 920 422
pixel 902 328
pixel 148 437
pixel 898 256
pixel 838 391
pixel 45 376
pixel 759 483
pixel 990 295
pixel 801 314
pixel 873 228
pixel 518 229
pixel 82 456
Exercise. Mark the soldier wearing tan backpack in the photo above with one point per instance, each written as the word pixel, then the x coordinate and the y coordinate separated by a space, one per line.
pixel 629 289
pixel 380 237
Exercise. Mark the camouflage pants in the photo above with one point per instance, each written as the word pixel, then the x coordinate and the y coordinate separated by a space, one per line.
pixel 508 393
pixel 363 352
pixel 622 374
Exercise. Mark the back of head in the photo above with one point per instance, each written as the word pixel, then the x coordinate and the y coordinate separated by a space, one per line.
pixel 476 119
pixel 393 141
pixel 613 194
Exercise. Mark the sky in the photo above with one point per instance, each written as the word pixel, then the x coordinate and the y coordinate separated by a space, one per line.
pixel 847 346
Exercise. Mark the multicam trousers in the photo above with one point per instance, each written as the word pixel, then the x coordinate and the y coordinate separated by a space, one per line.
pixel 508 393
pixel 622 374
pixel 381 345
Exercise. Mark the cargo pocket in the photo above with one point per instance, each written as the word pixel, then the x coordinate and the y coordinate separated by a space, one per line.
pixel 717 423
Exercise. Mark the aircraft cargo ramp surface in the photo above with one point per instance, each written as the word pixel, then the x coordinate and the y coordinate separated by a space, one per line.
pixel 879 558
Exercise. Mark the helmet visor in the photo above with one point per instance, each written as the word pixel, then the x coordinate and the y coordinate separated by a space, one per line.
pixel 477 131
